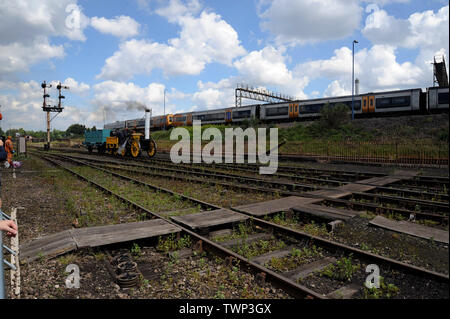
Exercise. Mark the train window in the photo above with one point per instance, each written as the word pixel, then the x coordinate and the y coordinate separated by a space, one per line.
pixel 401 101
pixel 397 101
pixel 241 114
pixel 356 104
pixel 443 98
pixel 277 111
pixel 214 116
pixel 296 108
pixel 312 108
pixel 371 102
pixel 199 117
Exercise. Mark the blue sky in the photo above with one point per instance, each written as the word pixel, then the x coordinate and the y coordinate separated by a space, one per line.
pixel 115 53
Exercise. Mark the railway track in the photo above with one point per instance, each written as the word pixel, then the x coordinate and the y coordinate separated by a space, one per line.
pixel 422 209
pixel 297 241
pixel 300 175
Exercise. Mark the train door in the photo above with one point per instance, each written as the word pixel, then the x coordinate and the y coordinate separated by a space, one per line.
pixel 228 118
pixel 371 104
pixel 189 119
pixel 293 110
pixel 368 104
pixel 365 104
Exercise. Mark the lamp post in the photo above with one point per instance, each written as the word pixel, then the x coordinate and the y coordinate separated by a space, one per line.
pixel 353 78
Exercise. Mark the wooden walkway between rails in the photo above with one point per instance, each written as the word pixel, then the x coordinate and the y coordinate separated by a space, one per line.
pixel 412 229
pixel 307 204
pixel 72 239
pixel 206 219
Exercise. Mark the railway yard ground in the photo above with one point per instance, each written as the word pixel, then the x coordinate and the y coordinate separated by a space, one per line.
pixel 149 228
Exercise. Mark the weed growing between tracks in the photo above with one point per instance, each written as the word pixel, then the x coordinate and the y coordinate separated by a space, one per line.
pixel 250 250
pixel 155 201
pixel 55 200
pixel 297 257
pixel 293 221
pixel 214 194
pixel 357 233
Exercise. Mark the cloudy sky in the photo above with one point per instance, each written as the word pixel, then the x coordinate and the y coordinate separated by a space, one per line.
pixel 196 51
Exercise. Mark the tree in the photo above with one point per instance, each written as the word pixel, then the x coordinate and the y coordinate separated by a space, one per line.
pixel 334 117
pixel 76 129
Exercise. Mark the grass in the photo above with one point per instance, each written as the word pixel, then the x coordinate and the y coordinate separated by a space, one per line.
pixel 258 248
pixel 155 201
pixel 242 232
pixel 296 258
pixel 294 222
pixel 350 139
pixel 89 205
pixel 171 243
pixel 343 269
pixel 385 291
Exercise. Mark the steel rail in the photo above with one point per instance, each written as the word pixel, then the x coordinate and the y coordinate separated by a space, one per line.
pixel 351 204
pixel 301 235
pixel 287 285
pixel 432 205
pixel 327 181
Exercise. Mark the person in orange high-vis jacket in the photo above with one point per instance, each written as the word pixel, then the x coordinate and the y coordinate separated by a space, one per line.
pixel 9 148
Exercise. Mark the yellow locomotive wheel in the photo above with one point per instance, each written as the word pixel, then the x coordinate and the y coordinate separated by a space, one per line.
pixel 134 148
pixel 152 149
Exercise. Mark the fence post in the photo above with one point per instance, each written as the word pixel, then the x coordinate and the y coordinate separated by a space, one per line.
pixel 3 261
pixel 439 155
pixel 2 272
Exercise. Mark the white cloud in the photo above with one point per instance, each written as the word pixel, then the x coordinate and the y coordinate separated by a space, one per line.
pixel 202 40
pixel 214 95
pixel 22 107
pixel 427 31
pixel 27 25
pixel 177 9
pixel 377 69
pixel 122 100
pixel 74 86
pixel 335 89
pixel 268 67
pixel 422 29
pixel 24 20
pixel 122 26
pixel 385 2
pixel 302 21
pixel 18 57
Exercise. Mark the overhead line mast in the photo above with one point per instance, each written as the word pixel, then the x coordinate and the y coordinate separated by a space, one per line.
pixel 248 92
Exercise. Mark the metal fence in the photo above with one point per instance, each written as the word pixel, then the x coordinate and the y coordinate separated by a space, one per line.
pixel 434 154
pixel 3 261
pixel 390 152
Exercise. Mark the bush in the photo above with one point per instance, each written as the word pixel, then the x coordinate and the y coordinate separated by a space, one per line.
pixel 443 135
pixel 334 117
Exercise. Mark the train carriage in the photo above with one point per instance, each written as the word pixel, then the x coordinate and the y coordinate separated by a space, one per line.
pixel 363 104
pixel 182 119
pixel 227 115
pixel 437 98
pixel 244 113
pixel 369 104
pixel 396 101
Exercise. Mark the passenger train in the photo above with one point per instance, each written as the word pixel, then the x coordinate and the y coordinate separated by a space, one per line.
pixel 409 101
